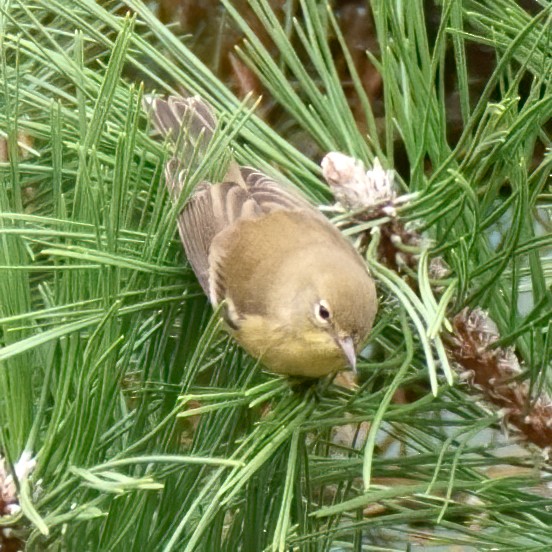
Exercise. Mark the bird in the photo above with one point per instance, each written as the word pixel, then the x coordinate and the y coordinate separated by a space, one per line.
pixel 291 289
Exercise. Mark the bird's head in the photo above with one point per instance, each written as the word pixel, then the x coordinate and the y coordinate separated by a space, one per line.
pixel 333 309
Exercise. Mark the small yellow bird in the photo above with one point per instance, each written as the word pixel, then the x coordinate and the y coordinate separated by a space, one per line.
pixel 296 293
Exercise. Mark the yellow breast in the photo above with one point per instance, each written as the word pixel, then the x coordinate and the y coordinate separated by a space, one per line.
pixel 309 352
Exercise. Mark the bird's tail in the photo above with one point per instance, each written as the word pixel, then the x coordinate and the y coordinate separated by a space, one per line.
pixel 189 125
pixel 178 118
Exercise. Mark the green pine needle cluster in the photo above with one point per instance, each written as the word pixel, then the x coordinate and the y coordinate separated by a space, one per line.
pixel 151 429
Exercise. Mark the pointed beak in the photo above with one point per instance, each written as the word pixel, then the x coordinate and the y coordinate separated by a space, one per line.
pixel 348 347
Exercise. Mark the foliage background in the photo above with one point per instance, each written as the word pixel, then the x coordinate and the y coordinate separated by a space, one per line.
pixel 153 431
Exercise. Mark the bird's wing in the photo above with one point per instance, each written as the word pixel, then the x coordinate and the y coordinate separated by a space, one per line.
pixel 210 210
pixel 215 208
pixel 271 195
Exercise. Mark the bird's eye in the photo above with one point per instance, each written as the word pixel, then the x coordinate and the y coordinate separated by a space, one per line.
pixel 323 313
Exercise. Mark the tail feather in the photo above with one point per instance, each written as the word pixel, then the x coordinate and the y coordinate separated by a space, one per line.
pixel 188 124
pixel 175 115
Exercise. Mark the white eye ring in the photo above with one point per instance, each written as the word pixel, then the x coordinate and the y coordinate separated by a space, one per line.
pixel 322 313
